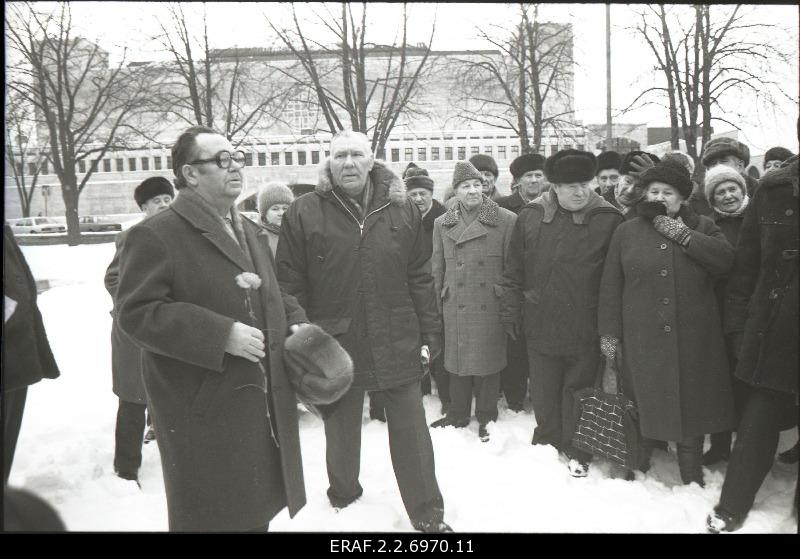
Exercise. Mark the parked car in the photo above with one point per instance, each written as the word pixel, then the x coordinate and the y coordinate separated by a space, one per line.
pixel 94 223
pixel 33 225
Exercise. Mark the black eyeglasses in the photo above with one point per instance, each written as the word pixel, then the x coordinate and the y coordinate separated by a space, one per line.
pixel 223 159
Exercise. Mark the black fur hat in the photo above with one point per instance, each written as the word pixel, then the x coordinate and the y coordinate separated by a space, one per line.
pixel 608 160
pixel 152 187
pixel 484 162
pixel 525 163
pixel 570 165
pixel 671 173
pixel 320 369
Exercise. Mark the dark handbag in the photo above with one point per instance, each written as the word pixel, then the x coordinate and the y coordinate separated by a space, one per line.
pixel 608 424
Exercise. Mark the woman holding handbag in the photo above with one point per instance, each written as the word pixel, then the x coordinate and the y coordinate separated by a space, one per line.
pixel 657 304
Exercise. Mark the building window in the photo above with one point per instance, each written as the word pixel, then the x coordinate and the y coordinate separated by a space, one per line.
pixel 501 152
pixel 409 154
pixel 248 159
pixel 289 158
pixel 169 162
pixel 301 158
pixel 94 165
pixel 82 166
pixel 462 152
pixel 106 165
pixel 276 158
pixel 553 149
pixel 120 164
pixel 514 151
pixel 382 154
pixel 157 163
pixel 422 154
pixel 448 153
pixel 395 154
pixel 474 150
pixel 434 154
pixel 487 150
pixel 262 159
pixel 145 164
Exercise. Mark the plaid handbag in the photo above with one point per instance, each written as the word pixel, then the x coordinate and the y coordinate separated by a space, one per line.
pixel 608 424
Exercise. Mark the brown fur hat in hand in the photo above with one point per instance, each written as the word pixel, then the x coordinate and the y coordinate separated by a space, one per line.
pixel 319 368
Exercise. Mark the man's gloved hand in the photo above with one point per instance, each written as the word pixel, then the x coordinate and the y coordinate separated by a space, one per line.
pixel 435 343
pixel 639 164
pixel 672 229
pixel 512 329
pixel 608 347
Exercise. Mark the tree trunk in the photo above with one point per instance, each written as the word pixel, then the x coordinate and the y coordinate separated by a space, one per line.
pixel 69 192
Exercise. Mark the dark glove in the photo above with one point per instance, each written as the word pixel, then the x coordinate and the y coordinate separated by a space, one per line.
pixel 639 164
pixel 608 347
pixel 435 343
pixel 512 329
pixel 672 229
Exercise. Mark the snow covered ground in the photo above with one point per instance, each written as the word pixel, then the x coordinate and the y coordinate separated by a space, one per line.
pixel 66 445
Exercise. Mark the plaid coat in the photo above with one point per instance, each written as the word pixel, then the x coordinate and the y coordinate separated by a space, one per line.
pixel 467 264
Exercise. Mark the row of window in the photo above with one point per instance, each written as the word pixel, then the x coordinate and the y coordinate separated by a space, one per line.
pixel 421 153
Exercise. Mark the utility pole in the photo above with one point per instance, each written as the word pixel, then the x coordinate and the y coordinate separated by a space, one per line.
pixel 608 77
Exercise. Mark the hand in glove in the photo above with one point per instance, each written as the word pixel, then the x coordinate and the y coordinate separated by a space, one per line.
pixel 608 347
pixel 435 342
pixel 512 329
pixel 672 229
pixel 639 164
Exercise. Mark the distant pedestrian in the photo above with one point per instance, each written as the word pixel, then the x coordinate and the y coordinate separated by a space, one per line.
pixel 273 201
pixel 487 167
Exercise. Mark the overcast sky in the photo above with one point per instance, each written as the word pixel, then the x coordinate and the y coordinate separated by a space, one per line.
pixel 116 24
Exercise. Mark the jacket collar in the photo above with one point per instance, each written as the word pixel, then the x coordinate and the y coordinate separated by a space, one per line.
pixel 549 204
pixel 487 213
pixel 785 174
pixel 386 185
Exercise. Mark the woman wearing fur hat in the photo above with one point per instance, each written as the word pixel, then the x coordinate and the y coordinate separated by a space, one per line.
pixel 549 294
pixel 726 191
pixel 470 242
pixel 657 305
pixel 273 201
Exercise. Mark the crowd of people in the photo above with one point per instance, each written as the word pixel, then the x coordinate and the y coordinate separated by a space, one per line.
pixel 690 287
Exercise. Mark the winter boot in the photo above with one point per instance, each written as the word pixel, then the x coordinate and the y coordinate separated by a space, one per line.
pixel 790 456
pixel 722 521
pixel 690 463
pixel 447 422
pixel 150 436
pixel 128 476
pixel 483 432
pixel 578 468
pixel 431 526
pixel 720 450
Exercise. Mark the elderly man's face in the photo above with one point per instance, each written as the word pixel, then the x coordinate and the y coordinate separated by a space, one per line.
pixel 422 198
pixel 156 204
pixel 729 161
pixel 220 186
pixel 488 182
pixel 351 162
pixel 573 196
pixel 607 179
pixel 625 193
pixel 531 184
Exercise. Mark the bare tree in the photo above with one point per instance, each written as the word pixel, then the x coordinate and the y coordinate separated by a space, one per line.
pixel 216 87
pixel 23 156
pixel 707 58
pixel 525 86
pixel 80 102
pixel 346 91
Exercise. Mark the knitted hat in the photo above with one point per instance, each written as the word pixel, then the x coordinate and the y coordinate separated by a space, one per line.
pixel 718 174
pixel 719 147
pixel 465 170
pixel 608 160
pixel 152 187
pixel 570 165
pixel 485 163
pixel 525 163
pixel 417 177
pixel 671 173
pixel 629 162
pixel 777 154
pixel 271 194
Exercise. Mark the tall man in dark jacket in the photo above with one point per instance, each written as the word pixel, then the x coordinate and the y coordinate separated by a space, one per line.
pixel 27 357
pixel 198 293
pixel 354 254
pixel 153 196
pixel 552 280
pixel 760 314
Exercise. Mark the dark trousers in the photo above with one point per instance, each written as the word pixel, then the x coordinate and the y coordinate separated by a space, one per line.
pixel 741 389
pixel 514 378
pixel 441 378
pixel 486 388
pixel 13 407
pixel 690 459
pixel 554 381
pixel 753 453
pixel 128 437
pixel 409 445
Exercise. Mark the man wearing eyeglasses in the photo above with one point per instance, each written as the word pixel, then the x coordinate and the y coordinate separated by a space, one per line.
pixel 213 348
pixel 353 253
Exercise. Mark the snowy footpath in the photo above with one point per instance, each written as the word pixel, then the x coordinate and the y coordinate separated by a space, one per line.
pixel 66 446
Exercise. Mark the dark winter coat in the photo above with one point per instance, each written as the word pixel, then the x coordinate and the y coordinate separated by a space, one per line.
pixel 658 299
pixel 368 283
pixel 552 273
pixel 215 412
pixel 513 202
pixel 730 226
pixel 435 211
pixel 126 357
pixel 762 296
pixel 467 267
pixel 27 357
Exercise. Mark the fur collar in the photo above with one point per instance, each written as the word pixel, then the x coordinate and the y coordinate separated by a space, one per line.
pixel 487 213
pixel 785 174
pixel 387 186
